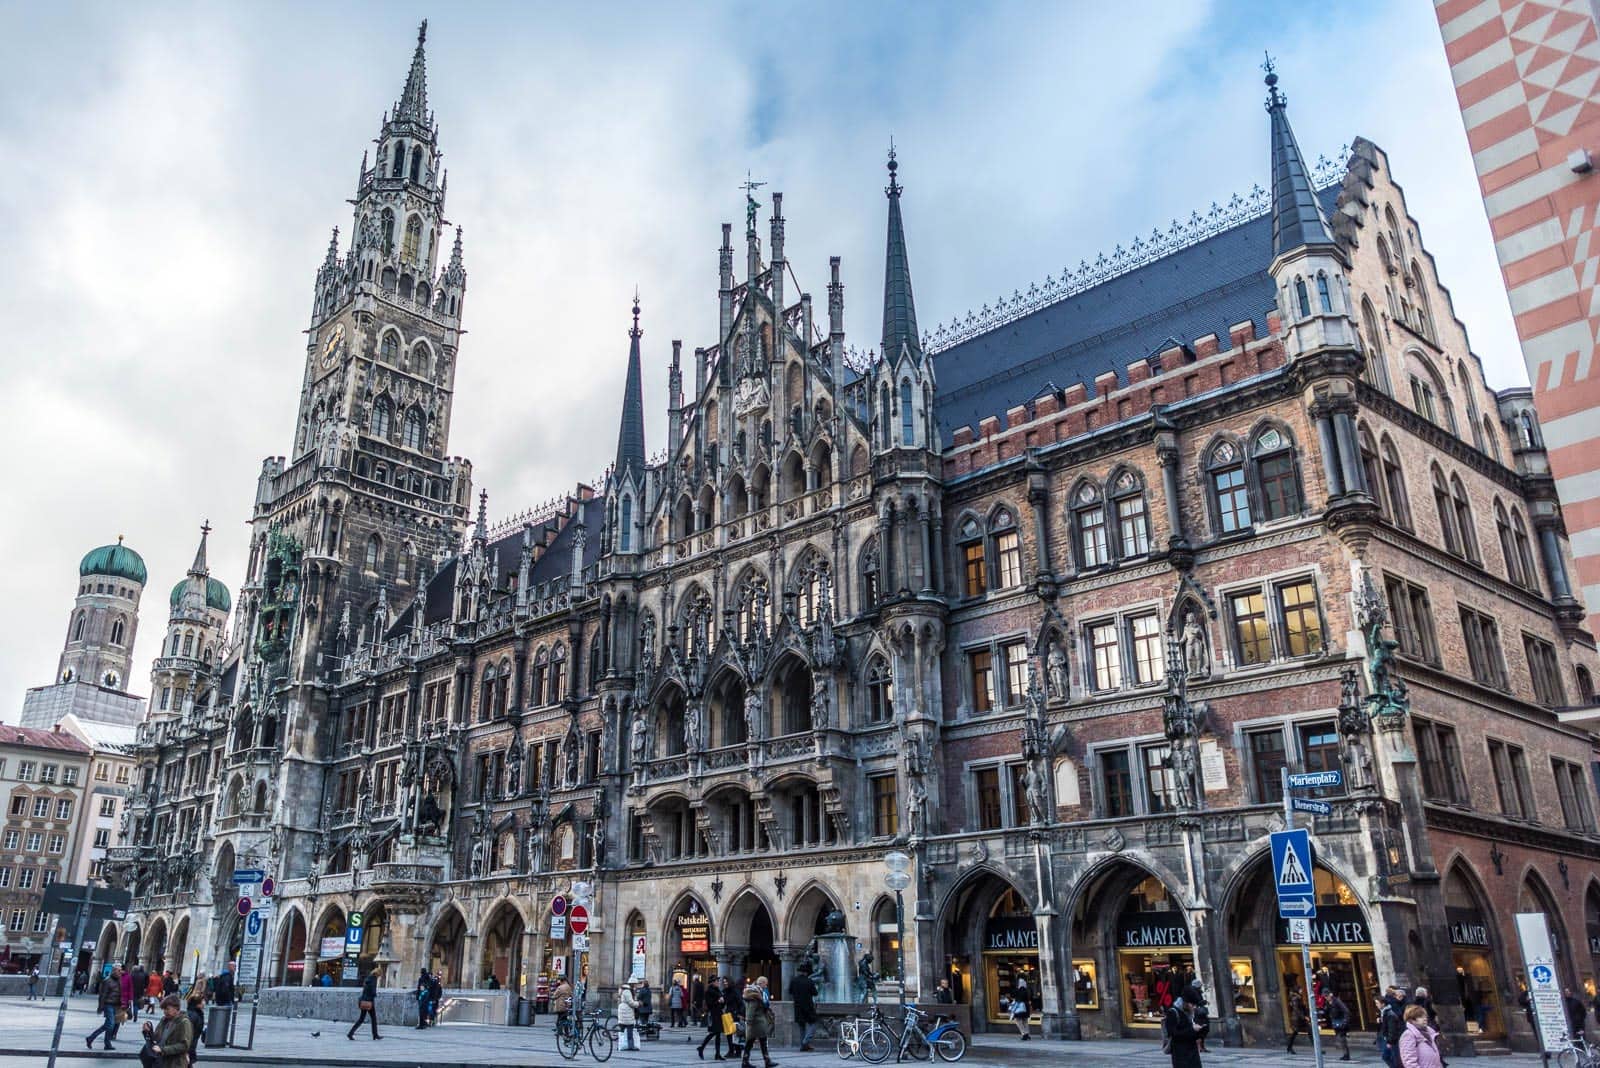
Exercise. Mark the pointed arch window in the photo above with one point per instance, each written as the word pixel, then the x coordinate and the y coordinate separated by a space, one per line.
pixel 1508 548
pixel 1089 527
pixel 1394 484
pixel 1372 468
pixel 117 629
pixel 871 579
pixel 388 231
pixel 880 691
pixel 389 347
pixel 413 241
pixel 188 644
pixel 1302 299
pixel 382 418
pixel 1133 518
pixel 1464 524
pixel 77 627
pixel 1492 441
pixel 1373 369
pixel 1524 550
pixel 556 685
pixel 908 433
pixel 399 160
pixel 809 590
pixel 886 432
pixel 974 568
pixel 1230 500
pixel 1277 474
pixel 416 163
pixel 1324 297
pixel 413 429
pixel 1445 508
pixel 625 534
pixel 1007 550
pixel 374 552
pixel 754 614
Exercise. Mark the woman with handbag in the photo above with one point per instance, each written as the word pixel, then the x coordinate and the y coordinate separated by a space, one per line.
pixel 168 1042
pixel 368 1004
pixel 758 1022
pixel 628 1014
pixel 711 1005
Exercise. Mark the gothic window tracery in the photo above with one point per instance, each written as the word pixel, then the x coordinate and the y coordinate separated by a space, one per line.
pixel 413 240
pixel 382 418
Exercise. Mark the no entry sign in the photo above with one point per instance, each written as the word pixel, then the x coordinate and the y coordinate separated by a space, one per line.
pixel 579 919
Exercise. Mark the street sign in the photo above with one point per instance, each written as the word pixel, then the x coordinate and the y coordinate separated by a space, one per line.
pixel 1291 870
pixel 558 906
pixel 255 926
pixel 558 928
pixel 1300 931
pixel 248 970
pixel 580 943
pixel 1306 780
pixel 268 886
pixel 242 876
pixel 579 920
pixel 243 906
pixel 1544 988
pixel 1316 808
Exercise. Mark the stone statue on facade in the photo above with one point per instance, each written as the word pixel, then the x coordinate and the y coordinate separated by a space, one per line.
pixel 752 713
pixel 1058 675
pixel 917 808
pixel 514 770
pixel 1033 788
pixel 1196 657
pixel 691 727
pixel 639 741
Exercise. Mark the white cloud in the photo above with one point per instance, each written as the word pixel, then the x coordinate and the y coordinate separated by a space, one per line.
pixel 172 174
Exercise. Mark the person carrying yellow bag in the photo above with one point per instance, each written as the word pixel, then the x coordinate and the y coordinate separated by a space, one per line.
pixel 714 1019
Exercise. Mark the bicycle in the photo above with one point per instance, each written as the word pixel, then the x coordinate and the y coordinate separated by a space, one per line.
pixel 910 1040
pixel 1577 1053
pixel 572 1036
pixel 849 1043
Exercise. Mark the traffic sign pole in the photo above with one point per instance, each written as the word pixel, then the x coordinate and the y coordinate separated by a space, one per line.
pixel 1305 947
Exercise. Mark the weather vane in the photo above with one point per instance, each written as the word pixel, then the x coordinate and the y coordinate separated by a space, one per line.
pixel 750 185
pixel 1268 65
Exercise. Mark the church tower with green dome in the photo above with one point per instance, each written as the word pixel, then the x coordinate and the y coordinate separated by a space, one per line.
pixel 192 649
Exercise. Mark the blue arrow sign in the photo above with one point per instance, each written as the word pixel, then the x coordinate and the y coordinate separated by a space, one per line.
pixel 1305 804
pixel 245 876
pixel 1312 779
pixel 1291 873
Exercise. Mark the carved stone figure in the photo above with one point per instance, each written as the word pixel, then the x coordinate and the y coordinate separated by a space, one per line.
pixel 917 808
pixel 1195 656
pixel 1033 787
pixel 1060 682
pixel 638 739
pixel 691 727
pixel 477 858
pixel 752 714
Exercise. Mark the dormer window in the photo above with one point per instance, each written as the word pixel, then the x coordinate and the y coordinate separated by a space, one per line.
pixel 1302 300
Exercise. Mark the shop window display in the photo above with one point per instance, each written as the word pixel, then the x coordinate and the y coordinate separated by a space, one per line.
pixel 1242 978
pixel 1154 955
pixel 1085 984
pixel 1011 956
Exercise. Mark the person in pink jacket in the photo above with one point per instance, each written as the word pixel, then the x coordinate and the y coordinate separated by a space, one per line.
pixel 1419 1043
pixel 128 1004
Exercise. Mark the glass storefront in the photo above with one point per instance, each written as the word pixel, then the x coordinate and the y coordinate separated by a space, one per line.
pixel 690 935
pixel 1010 957
pixel 1155 960
pixel 1085 984
pixel 1470 953
pixel 1341 953
pixel 1242 980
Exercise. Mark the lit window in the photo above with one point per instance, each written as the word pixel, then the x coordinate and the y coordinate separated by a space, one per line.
pixel 1133 527
pixel 1302 625
pixel 980 665
pixel 1016 657
pixel 1149 658
pixel 1106 656
pixel 885 806
pixel 1252 636
pixel 1008 559
pixel 975 575
pixel 1092 536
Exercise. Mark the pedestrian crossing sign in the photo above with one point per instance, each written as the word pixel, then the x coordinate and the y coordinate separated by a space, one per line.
pixel 1292 874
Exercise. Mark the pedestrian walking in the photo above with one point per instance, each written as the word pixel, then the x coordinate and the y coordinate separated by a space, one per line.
pixel 168 1040
pixel 154 990
pixel 1194 999
pixel 1392 1026
pixel 561 1002
pixel 1339 1020
pixel 803 992
pixel 1419 1043
pixel 197 1025
pixel 733 1005
pixel 33 985
pixel 134 994
pixel 711 1011
pixel 758 1022
pixel 1299 1017
pixel 1019 1010
pixel 368 1004
pixel 676 996
pixel 646 998
pixel 697 1001
pixel 435 997
pixel 422 999
pixel 1183 1039
pixel 109 1005
pixel 628 1014
pixel 1577 1013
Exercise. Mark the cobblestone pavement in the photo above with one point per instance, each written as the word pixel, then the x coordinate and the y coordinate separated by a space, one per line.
pixel 25 1030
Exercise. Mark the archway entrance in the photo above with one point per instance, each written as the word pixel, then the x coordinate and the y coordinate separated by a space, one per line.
pixel 749 925
pixel 374 929
pixel 502 949
pixel 155 947
pixel 1266 967
pixel 130 951
pixel 1535 896
pixel 105 952
pixel 1472 936
pixel 1591 930
pixel 178 950
pixel 292 951
pixel 686 942
pixel 989 943
pixel 1132 952
pixel 444 950
pixel 330 946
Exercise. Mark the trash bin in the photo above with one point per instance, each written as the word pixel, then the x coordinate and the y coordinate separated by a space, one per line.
pixel 218 1019
pixel 524 1013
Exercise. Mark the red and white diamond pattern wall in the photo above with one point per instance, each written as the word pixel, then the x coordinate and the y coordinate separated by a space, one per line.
pixel 1526 76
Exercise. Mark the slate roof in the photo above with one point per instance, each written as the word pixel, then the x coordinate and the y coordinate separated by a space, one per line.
pixel 1202 289
pixel 39 738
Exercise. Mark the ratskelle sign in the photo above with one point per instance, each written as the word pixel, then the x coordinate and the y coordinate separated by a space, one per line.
pixel 1334 925
pixel 1152 930
pixel 694 931
pixel 1010 932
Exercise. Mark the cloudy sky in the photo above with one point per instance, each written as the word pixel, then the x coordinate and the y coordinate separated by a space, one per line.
pixel 171 173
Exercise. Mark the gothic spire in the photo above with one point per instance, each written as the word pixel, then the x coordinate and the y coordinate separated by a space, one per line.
pixel 899 310
pixel 480 532
pixel 1297 217
pixel 199 567
pixel 630 438
pixel 413 103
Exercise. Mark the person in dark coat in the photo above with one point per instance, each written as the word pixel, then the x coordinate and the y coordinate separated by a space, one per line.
pixel 1339 1020
pixel 1183 1039
pixel 803 992
pixel 711 1005
pixel 1299 1017
pixel 422 999
pixel 697 1001
pixel 1195 999
pixel 138 980
pixel 222 989
pixel 368 1004
pixel 1577 1013
pixel 110 1001
pixel 435 996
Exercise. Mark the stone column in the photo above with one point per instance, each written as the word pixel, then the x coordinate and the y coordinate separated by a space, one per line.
pixel 1555 568
pixel 1330 453
pixel 1344 433
pixel 1039 504
pixel 1167 454
pixel 927 552
pixel 1058 1016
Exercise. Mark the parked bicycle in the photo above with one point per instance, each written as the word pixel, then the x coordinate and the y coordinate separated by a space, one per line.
pixel 1577 1053
pixel 573 1034
pixel 912 1040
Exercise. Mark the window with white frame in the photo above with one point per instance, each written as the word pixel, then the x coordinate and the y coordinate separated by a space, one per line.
pixel 5 878
pixel 58 843
pixel 69 777
pixel 102 837
pixel 1280 619
pixel 35 841
pixel 47 773
pixel 108 806
pixel 41 807
pixel 1016 661
pixel 1135 779
pixel 1149 656
pixel 25 877
pixel 41 921
pixel 64 809
pixel 12 838
pixel 18 919
pixel 25 771
pixel 1105 656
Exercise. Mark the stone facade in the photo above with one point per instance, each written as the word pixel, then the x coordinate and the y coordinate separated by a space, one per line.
pixel 1060 658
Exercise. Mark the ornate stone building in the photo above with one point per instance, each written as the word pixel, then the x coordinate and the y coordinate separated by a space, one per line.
pixel 1053 629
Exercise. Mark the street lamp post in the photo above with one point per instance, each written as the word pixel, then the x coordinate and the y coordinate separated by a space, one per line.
pixel 897 878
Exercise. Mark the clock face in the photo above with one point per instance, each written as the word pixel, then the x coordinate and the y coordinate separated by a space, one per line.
pixel 331 347
pixel 112 678
pixel 67 675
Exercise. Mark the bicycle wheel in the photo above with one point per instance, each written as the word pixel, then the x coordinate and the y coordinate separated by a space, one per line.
pixel 1567 1058
pixel 951 1046
pixel 569 1043
pixel 916 1045
pixel 846 1051
pixel 876 1044
pixel 601 1044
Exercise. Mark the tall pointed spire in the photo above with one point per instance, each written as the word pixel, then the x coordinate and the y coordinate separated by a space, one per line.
pixel 899 310
pixel 1297 217
pixel 630 438
pixel 413 103
pixel 199 567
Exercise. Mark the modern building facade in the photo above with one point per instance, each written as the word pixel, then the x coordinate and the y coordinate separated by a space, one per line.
pixel 1525 75
pixel 1053 629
